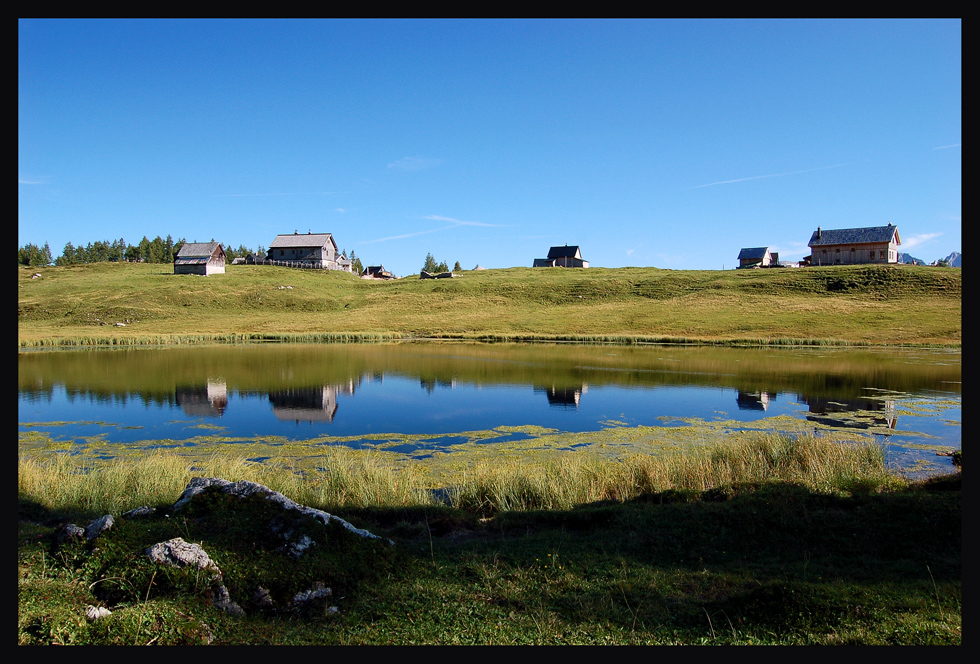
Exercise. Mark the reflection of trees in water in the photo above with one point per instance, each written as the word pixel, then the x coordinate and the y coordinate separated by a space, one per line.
pixel 822 408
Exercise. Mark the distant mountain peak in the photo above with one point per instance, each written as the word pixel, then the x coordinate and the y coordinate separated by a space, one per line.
pixel 955 259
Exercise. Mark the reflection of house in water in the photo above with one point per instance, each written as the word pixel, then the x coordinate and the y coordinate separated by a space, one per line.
pixel 563 397
pixel 879 412
pixel 754 400
pixel 308 404
pixel 207 401
pixel 429 384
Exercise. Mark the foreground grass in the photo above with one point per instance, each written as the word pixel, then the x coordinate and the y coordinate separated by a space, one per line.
pixel 770 541
pixel 896 304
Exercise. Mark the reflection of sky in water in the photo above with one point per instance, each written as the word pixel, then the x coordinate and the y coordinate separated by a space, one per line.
pixel 404 405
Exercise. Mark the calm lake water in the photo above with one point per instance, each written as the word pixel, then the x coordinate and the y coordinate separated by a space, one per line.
pixel 907 399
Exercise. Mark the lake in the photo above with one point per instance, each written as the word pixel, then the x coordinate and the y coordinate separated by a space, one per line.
pixel 424 399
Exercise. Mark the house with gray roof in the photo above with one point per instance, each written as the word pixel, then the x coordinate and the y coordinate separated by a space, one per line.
pixel 853 246
pixel 562 257
pixel 313 250
pixel 204 258
pixel 757 257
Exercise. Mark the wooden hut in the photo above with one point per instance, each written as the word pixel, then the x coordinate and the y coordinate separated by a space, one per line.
pixel 204 258
pixel 562 257
pixel 756 257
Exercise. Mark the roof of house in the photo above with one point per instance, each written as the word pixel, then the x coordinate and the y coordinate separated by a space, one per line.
pixel 564 252
pixel 752 253
pixel 874 234
pixel 197 249
pixel 296 240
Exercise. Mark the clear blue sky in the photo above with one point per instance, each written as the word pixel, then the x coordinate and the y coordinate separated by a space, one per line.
pixel 662 143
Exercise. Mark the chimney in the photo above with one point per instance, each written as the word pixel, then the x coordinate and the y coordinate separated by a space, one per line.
pixel 818 232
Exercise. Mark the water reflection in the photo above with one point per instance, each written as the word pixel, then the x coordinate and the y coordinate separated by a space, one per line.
pixel 208 400
pixel 352 390
pixel 308 404
pixel 859 413
pixel 754 400
pixel 563 397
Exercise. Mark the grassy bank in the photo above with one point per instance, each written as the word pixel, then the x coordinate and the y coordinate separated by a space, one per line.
pixel 896 304
pixel 768 541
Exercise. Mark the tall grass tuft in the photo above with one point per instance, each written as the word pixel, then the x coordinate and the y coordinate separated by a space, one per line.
pixel 820 464
pixel 346 478
pixel 569 480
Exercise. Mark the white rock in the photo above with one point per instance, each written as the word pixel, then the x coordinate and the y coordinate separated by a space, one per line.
pixel 178 553
pixel 96 612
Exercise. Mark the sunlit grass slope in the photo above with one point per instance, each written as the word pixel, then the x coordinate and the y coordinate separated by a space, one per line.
pixel 897 304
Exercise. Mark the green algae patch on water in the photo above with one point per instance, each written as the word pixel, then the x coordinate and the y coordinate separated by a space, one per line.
pixel 446 455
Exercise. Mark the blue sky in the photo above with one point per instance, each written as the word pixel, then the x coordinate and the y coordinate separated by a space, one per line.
pixel 670 144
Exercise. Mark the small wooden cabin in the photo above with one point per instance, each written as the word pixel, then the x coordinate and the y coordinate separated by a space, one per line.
pixel 377 272
pixel 562 257
pixel 204 258
pixel 756 257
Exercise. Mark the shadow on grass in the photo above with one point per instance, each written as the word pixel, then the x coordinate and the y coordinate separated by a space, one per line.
pixel 746 564
pixel 776 559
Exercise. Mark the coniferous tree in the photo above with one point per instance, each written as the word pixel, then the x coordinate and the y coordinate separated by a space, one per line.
pixel 355 264
pixel 67 255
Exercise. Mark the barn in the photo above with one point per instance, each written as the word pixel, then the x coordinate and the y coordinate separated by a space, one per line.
pixel 203 258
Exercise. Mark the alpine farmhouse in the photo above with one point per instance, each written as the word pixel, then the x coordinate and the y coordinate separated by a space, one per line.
pixel 852 246
pixel 313 250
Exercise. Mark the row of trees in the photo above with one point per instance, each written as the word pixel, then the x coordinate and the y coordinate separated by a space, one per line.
pixel 432 267
pixel 157 250
pixel 31 254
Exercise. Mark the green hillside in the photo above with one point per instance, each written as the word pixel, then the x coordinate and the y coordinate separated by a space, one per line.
pixel 146 303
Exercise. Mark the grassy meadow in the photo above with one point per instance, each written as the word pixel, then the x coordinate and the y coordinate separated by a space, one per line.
pixel 895 304
pixel 769 541
pixel 766 540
